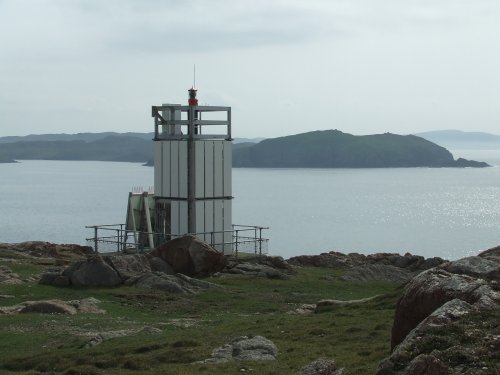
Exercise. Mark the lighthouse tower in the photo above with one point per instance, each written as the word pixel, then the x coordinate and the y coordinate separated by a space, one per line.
pixel 192 171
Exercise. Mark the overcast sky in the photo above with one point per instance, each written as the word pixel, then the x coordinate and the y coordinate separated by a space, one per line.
pixel 285 67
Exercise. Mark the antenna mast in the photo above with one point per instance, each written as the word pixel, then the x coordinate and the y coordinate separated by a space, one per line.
pixel 194 75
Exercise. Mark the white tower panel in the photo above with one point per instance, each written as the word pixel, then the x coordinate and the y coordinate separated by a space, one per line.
pixel 158 164
pixel 200 169
pixel 218 170
pixel 174 169
pixel 209 169
pixel 228 158
pixel 183 177
pixel 166 178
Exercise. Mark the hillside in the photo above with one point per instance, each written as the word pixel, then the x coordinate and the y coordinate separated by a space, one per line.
pixel 85 137
pixel 335 149
pixel 110 148
pixel 317 149
pixel 106 146
pixel 460 140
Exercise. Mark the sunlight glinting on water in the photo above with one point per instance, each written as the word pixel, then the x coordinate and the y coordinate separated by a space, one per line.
pixel 432 212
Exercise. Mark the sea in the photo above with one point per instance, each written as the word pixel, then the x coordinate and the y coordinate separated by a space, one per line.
pixel 445 212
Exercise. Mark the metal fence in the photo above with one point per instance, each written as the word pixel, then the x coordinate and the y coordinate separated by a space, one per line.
pixel 115 238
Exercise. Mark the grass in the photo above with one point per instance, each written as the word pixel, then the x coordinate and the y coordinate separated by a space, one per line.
pixel 356 336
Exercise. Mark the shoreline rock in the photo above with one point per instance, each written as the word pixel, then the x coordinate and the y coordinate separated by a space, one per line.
pixel 334 259
pixel 446 320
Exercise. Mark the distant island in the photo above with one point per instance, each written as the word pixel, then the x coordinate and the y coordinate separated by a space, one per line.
pixel 460 140
pixel 335 149
pixel 317 149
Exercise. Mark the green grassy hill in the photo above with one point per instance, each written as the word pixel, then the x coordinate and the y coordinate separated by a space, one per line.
pixel 193 325
pixel 335 149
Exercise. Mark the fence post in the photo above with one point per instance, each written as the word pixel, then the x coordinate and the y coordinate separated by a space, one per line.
pixel 255 239
pixel 260 241
pixel 236 243
pixel 118 240
pixel 95 239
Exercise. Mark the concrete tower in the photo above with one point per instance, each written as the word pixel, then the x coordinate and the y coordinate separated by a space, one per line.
pixel 192 172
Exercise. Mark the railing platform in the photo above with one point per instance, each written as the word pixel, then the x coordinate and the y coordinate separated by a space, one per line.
pixel 245 239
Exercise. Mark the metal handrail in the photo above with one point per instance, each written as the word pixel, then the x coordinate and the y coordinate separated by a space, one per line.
pixel 240 237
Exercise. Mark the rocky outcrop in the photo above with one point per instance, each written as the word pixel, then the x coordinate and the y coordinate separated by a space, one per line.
pixel 322 367
pixel 44 252
pixel 377 272
pixel 327 305
pixel 92 272
pixel 272 267
pixel 177 284
pixel 447 320
pixel 431 289
pixel 108 335
pixel 190 256
pixel 333 259
pixel 129 265
pixel 145 271
pixel 256 348
pixel 475 266
pixel 255 270
pixel 493 253
pixel 8 277
pixel 457 338
pixel 54 306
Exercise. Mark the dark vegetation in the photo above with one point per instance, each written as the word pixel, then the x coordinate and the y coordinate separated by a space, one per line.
pixel 111 148
pixel 335 149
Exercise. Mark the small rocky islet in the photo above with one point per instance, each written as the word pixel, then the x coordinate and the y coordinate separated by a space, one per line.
pixel 446 318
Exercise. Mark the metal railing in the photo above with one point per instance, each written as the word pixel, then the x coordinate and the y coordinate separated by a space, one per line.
pixel 114 237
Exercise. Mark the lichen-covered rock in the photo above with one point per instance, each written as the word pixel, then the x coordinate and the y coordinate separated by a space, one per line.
pixel 93 271
pixel 159 265
pixel 447 320
pixel 409 262
pixel 431 289
pixel 54 306
pixel 255 348
pixel 87 305
pixel 493 253
pixel 8 277
pixel 44 252
pixel 257 270
pixel 176 284
pixel 243 348
pixel 128 265
pixel 276 262
pixel 456 338
pixel 474 266
pixel 377 272
pixel 426 364
pixel 322 367
pixel 48 307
